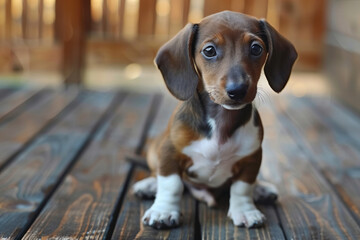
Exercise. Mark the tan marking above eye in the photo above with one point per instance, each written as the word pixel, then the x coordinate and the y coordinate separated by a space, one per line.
pixel 250 37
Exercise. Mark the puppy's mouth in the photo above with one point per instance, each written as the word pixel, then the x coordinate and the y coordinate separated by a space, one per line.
pixel 228 104
pixel 233 106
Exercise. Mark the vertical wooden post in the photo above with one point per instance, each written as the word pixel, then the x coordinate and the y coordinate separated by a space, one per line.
pixel 70 29
pixel 24 19
pixel 147 17
pixel 41 18
pixel 8 20
pixel 121 16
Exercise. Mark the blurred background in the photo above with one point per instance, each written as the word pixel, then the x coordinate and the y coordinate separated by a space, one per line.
pixel 104 44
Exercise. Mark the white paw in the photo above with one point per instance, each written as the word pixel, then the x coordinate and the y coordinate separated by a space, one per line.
pixel 247 218
pixel 160 219
pixel 145 188
pixel 265 192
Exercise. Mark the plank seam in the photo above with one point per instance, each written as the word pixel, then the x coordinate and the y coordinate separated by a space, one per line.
pixel 275 206
pixel 105 117
pixel 197 224
pixel 47 126
pixel 153 110
pixel 29 102
pixel 325 180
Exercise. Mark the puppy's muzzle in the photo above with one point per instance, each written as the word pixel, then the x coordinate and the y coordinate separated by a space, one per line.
pixel 237 91
pixel 237 84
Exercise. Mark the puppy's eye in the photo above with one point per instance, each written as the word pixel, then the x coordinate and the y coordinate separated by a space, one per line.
pixel 256 49
pixel 209 52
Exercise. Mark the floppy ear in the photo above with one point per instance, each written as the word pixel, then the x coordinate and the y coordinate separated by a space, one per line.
pixel 175 61
pixel 281 58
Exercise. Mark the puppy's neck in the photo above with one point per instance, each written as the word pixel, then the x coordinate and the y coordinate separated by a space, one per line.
pixel 213 119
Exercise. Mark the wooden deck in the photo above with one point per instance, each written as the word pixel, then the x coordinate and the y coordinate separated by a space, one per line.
pixel 64 173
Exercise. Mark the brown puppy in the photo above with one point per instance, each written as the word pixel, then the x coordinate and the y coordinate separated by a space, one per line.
pixel 214 136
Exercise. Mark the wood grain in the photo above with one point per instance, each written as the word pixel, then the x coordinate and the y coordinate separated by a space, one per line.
pixel 306 199
pixel 331 142
pixel 82 206
pixel 216 225
pixel 26 183
pixel 20 128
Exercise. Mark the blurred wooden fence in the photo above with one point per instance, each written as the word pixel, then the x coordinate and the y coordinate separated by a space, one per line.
pixel 125 31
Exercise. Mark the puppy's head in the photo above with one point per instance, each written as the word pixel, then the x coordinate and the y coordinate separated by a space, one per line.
pixel 226 52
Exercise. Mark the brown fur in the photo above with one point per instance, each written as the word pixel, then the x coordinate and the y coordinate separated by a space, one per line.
pixel 202 85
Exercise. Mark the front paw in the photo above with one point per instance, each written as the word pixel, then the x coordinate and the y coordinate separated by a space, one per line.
pixel 160 219
pixel 247 218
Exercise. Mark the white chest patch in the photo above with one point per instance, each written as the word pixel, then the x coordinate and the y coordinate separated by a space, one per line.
pixel 212 162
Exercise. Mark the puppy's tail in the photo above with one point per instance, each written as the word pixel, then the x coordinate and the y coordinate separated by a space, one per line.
pixel 140 160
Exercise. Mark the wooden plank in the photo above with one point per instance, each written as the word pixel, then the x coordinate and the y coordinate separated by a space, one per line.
pixel 312 123
pixel 8 20
pixel 24 126
pixel 129 225
pixel 24 19
pixel 306 199
pixel 5 92
pixel 71 25
pixel 41 19
pixel 147 17
pixel 16 100
pixel 335 117
pixel 216 225
pixel 83 204
pixel 34 175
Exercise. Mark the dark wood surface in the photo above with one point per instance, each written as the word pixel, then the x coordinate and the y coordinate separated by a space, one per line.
pixel 64 172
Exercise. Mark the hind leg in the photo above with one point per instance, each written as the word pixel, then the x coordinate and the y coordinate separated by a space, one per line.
pixel 145 188
pixel 265 192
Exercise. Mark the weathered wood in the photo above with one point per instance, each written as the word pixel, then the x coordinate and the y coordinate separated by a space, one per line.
pixel 17 99
pixel 8 20
pixel 129 225
pixel 83 204
pixel 306 199
pixel 216 225
pixel 314 124
pixel 71 28
pixel 22 127
pixel 335 118
pixel 24 189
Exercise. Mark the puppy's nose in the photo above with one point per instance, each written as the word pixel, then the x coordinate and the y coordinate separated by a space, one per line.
pixel 237 91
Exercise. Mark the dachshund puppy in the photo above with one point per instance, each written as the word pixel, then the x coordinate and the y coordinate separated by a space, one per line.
pixel 213 139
